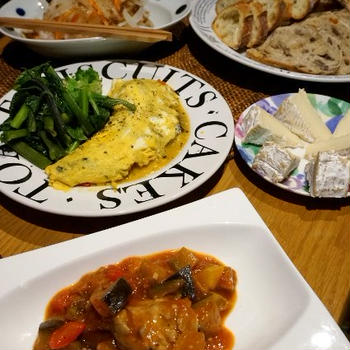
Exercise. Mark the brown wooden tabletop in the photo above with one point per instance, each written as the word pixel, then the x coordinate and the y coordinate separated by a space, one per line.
pixel 313 232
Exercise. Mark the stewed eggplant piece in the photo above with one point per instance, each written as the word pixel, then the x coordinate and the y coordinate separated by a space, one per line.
pixel 108 302
pixel 117 295
pixel 180 282
pixel 167 287
pixel 50 325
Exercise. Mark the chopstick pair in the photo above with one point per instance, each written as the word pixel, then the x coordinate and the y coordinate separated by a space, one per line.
pixel 130 33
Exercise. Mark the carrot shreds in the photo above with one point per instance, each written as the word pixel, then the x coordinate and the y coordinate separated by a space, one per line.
pixel 93 3
pixel 58 35
pixel 75 17
pixel 63 17
pixel 93 17
pixel 117 5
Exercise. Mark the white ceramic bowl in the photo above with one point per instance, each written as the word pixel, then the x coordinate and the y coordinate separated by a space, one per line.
pixel 163 14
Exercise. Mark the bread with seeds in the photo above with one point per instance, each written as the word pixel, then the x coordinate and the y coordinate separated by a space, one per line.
pixel 300 47
pixel 335 26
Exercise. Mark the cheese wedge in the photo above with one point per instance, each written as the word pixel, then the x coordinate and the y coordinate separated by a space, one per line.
pixel 298 115
pixel 260 126
pixel 275 162
pixel 343 126
pixel 328 175
pixel 340 143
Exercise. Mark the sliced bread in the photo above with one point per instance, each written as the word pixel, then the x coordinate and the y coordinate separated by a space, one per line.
pixel 222 4
pixel 335 26
pixel 299 47
pixel 260 27
pixel 275 10
pixel 298 9
pixel 233 25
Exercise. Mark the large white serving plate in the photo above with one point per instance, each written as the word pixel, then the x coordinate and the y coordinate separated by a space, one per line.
pixel 201 19
pixel 162 13
pixel 210 140
pixel 275 309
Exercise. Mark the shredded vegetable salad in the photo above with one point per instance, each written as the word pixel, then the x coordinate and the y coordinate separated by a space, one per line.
pixel 106 12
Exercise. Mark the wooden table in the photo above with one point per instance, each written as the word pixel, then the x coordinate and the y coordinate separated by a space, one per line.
pixel 314 233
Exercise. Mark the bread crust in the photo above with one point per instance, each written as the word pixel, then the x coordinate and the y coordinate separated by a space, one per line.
pixel 260 29
pixel 276 10
pixel 233 25
pixel 222 4
pixel 285 48
pixel 298 9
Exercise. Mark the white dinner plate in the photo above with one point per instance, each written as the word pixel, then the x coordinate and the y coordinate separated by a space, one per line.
pixel 330 109
pixel 275 309
pixel 210 140
pixel 201 19
pixel 162 13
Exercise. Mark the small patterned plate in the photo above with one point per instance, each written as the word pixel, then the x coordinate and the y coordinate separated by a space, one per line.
pixel 331 111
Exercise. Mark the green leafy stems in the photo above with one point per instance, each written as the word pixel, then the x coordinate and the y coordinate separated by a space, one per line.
pixel 50 117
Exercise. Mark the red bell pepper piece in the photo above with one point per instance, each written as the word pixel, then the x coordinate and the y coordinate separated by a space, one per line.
pixel 61 301
pixel 66 334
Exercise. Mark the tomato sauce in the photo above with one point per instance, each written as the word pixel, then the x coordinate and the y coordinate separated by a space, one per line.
pixel 171 300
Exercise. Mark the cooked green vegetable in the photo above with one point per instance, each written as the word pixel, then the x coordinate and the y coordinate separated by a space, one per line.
pixel 20 117
pixel 28 152
pixel 50 117
pixel 10 135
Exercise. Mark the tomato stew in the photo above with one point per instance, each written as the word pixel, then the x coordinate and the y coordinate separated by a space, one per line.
pixel 171 300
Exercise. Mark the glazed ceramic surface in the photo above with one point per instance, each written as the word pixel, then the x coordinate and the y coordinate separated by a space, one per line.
pixel 163 14
pixel 210 140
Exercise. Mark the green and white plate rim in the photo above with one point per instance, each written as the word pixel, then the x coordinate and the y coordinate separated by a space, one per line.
pixel 331 110
pixel 210 141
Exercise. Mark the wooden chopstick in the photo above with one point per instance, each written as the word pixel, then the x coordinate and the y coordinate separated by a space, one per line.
pixel 131 33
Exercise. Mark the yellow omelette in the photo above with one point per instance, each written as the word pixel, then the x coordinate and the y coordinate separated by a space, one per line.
pixel 131 144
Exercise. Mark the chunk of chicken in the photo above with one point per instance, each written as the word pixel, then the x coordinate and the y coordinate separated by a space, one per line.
pixel 159 324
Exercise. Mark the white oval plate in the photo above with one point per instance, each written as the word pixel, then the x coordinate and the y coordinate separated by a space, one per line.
pixel 275 309
pixel 163 14
pixel 331 110
pixel 201 19
pixel 210 140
